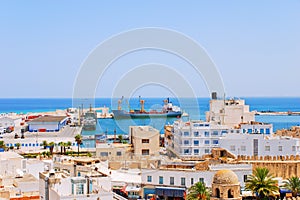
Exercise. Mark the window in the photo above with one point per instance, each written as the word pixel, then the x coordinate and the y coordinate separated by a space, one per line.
pixel 161 180
pixel 232 148
pixel 119 153
pixel 196 142
pixel 196 151
pixel 206 142
pixel 145 152
pixel 279 148
pixel 249 130
pixel 214 133
pixel 104 154
pixel 293 148
pixel 206 125
pixel 206 150
pixel 192 181
pixel 145 140
pixel 149 179
pixel 224 132
pixel 243 148
pixel 267 148
pixel 186 151
pixel 267 131
pixel 245 178
pixel 182 182
pixel 201 180
pixel 262 130
pixel 79 188
pixel 171 180
pixel 186 133
pixel 206 134
pixel 186 142
pixel 196 134
pixel 215 141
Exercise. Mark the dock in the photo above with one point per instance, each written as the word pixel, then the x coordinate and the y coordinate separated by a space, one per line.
pixel 274 113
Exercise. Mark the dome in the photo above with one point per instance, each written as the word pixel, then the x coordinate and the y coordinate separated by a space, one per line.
pixel 225 176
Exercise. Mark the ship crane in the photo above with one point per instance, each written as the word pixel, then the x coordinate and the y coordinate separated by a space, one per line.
pixel 142 102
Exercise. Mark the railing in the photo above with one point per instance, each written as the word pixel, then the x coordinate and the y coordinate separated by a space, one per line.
pixel 118 197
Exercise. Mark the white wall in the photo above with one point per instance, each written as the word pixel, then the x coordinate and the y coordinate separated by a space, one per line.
pixel 43 126
pixel 243 144
pixel 240 170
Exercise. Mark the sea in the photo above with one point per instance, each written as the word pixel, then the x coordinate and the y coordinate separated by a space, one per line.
pixel 194 107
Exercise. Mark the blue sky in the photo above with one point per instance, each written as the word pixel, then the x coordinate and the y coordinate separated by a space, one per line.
pixel 254 44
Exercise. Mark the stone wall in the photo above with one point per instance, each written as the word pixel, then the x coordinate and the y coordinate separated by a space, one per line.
pixel 279 166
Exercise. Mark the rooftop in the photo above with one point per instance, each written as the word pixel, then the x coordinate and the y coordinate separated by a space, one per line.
pixel 49 119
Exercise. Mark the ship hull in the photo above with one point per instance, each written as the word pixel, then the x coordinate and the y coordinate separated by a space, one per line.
pixel 124 114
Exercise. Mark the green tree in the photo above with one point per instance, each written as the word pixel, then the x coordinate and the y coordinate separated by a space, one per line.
pixel 197 191
pixel 18 145
pixel 51 144
pixel 2 145
pixel 262 183
pixel 120 137
pixel 45 144
pixel 78 139
pixel 293 184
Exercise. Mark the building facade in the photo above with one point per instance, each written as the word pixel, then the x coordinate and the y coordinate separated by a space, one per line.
pixel 260 145
pixel 167 182
pixel 47 123
pixel 229 112
pixel 145 140
pixel 194 138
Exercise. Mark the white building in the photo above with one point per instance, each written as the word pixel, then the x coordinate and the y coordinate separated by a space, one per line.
pixel 6 122
pixel 47 123
pixel 257 128
pixel 59 186
pixel 194 138
pixel 16 179
pixel 260 145
pixel 144 139
pixel 229 112
pixel 176 181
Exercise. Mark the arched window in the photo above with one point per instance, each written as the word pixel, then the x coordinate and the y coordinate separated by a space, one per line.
pixel 217 192
pixel 230 193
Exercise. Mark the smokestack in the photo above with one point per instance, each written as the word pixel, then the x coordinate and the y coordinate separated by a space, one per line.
pixel 214 95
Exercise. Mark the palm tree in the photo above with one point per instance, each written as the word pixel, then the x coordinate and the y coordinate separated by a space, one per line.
pixel 293 184
pixel 62 146
pixel 51 144
pixel 262 183
pixel 197 192
pixel 78 139
pixel 18 145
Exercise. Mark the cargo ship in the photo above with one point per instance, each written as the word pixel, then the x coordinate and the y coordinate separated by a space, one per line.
pixel 168 110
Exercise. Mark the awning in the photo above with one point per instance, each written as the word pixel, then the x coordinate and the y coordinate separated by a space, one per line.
pixel 170 191
pixel 131 188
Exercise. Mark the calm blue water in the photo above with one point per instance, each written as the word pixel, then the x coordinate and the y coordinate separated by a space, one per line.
pixel 195 107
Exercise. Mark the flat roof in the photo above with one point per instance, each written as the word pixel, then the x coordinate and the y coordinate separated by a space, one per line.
pixel 48 119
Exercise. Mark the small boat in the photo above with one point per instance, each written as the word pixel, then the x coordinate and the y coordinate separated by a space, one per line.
pixel 168 110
